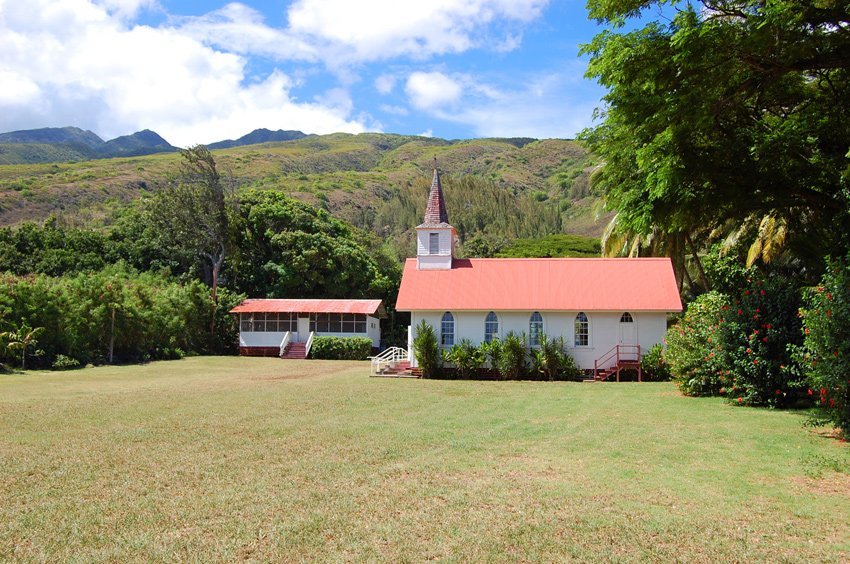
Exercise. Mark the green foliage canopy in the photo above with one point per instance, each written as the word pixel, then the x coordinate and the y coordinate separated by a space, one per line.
pixel 731 110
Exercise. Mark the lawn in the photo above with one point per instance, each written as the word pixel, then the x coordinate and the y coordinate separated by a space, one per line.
pixel 250 458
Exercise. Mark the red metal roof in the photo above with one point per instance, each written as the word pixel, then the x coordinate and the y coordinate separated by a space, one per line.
pixel 636 284
pixel 368 307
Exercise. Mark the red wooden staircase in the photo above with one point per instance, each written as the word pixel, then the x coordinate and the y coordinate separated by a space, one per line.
pixel 620 357
pixel 295 350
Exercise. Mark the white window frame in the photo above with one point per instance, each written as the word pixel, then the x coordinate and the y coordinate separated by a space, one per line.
pixel 494 334
pixel 576 333
pixel 444 333
pixel 433 243
pixel 542 332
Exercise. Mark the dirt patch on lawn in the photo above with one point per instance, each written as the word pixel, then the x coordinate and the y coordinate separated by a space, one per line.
pixel 833 483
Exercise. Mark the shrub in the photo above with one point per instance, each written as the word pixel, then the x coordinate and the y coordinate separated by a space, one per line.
pixel 426 350
pixel 466 357
pixel 695 346
pixel 63 362
pixel 549 357
pixel 758 328
pixel 654 365
pixel 492 353
pixel 512 361
pixel 341 348
pixel 570 370
pixel 825 354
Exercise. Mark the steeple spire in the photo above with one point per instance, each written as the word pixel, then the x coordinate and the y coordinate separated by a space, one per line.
pixel 435 213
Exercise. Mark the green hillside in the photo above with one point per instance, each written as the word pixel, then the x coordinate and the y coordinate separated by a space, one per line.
pixel 511 188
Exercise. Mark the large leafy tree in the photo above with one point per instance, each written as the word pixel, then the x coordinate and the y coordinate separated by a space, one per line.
pixel 726 114
pixel 287 248
pixel 193 211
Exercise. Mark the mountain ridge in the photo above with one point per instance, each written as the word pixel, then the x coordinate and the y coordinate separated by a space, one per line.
pixel 64 144
pixel 498 189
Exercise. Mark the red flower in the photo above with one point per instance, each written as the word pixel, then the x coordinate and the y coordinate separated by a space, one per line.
pixel 832 403
pixel 762 292
pixel 746 292
pixel 807 330
pixel 740 400
pixel 755 361
pixel 749 351
pixel 764 340
pixel 778 392
pixel 740 312
pixel 810 391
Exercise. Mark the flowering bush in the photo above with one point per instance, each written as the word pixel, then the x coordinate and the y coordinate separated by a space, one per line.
pixel 757 329
pixel 695 346
pixel 825 355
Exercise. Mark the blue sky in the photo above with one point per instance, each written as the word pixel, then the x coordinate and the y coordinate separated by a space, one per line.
pixel 198 72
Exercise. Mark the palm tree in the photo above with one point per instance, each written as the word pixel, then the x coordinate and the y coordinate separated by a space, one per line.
pixel 22 339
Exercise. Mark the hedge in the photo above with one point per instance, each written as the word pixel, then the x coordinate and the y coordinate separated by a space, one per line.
pixel 341 348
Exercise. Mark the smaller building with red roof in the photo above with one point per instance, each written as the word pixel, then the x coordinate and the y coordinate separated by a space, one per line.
pixel 596 305
pixel 285 327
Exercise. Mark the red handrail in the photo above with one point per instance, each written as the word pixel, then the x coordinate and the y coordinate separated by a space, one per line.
pixel 614 353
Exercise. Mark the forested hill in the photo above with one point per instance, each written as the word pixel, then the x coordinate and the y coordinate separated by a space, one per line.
pixel 497 189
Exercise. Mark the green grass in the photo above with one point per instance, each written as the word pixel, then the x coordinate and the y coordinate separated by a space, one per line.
pixel 238 458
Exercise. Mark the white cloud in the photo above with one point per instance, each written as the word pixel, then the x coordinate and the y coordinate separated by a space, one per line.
pixel 432 90
pixel 394 110
pixel 427 133
pixel 385 83
pixel 75 63
pixel 368 30
pixel 547 106
pixel 241 29
pixel 126 9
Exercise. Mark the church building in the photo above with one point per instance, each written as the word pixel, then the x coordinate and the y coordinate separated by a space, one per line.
pixel 603 308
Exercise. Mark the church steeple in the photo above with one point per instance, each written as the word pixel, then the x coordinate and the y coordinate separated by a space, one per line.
pixel 435 238
pixel 435 213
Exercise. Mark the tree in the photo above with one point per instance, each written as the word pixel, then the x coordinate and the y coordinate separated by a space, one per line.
pixel 22 340
pixel 729 113
pixel 286 247
pixel 426 349
pixel 194 210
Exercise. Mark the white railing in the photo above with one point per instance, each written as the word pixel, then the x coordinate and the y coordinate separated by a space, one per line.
pixel 388 359
pixel 309 344
pixel 283 344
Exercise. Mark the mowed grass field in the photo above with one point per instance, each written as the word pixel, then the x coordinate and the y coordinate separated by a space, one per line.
pixel 210 459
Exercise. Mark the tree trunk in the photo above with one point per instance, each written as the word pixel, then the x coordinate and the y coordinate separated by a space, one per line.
pixel 112 336
pixel 702 277
pixel 217 261
pixel 24 357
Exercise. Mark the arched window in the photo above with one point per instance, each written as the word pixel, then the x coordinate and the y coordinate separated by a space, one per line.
pixel 535 329
pixel 491 327
pixel 582 330
pixel 447 330
pixel 626 318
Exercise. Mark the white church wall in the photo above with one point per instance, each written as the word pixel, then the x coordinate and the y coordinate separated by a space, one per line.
pixel 604 329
